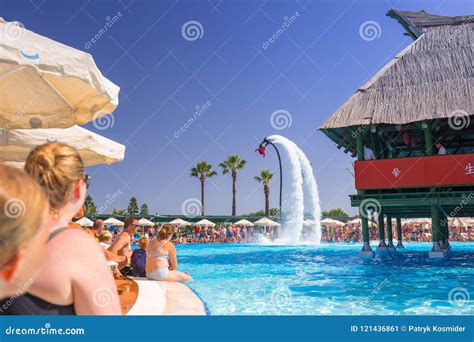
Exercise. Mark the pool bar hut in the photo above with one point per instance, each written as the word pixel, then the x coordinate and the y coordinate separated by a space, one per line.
pixel 410 129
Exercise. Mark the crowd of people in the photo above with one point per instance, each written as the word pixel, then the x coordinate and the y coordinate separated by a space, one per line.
pixel 220 234
pixel 346 233
pixel 413 231
pixel 49 265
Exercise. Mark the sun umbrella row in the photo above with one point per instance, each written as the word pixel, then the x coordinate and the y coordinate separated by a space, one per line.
pixel 112 221
pixel 46 88
pixel 265 222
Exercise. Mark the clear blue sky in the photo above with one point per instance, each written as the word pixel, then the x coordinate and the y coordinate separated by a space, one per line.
pixel 309 70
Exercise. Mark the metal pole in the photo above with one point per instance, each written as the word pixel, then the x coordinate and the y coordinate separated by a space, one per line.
pixel 264 144
pixel 281 173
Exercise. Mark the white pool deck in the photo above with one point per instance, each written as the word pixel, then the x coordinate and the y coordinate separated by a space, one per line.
pixel 165 298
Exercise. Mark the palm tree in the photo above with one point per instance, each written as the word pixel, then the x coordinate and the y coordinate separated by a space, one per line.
pixel 231 165
pixel 202 171
pixel 265 178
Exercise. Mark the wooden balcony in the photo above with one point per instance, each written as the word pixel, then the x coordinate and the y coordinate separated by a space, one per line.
pixel 415 172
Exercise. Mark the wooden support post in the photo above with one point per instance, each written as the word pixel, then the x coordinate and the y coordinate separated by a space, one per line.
pixel 426 126
pixel 360 144
pixel 437 250
pixel 366 249
pixel 382 245
pixel 444 230
pixel 399 233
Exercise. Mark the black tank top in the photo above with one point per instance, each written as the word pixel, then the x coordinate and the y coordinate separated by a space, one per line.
pixel 31 305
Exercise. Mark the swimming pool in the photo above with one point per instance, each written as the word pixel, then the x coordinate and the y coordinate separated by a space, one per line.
pixel 329 280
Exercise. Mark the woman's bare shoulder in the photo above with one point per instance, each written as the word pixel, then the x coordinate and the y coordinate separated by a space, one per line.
pixel 75 241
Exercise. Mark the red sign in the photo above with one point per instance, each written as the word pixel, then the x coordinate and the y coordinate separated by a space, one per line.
pixel 457 169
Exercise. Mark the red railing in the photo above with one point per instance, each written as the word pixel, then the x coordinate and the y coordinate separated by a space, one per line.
pixel 456 169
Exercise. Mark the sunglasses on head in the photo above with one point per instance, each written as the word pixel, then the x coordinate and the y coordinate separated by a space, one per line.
pixel 87 180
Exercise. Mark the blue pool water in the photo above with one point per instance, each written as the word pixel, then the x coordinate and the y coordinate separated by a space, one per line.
pixel 329 280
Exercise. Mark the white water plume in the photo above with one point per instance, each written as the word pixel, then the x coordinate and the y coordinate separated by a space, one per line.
pixel 301 200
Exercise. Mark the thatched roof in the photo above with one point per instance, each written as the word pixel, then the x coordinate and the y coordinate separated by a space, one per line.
pixel 415 22
pixel 430 79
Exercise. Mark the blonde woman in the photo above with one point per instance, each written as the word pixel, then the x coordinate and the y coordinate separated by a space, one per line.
pixel 23 233
pixel 75 278
pixel 105 238
pixel 161 261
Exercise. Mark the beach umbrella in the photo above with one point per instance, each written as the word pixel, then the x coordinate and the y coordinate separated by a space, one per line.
pixel 145 222
pixel 463 222
pixel 329 221
pixel 85 222
pixel 469 221
pixel 359 221
pixel 205 222
pixel 243 223
pixel 266 222
pixel 420 220
pixel 47 84
pixel 112 221
pixel 16 144
pixel 180 222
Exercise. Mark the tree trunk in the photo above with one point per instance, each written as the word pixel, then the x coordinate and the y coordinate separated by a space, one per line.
pixel 266 190
pixel 202 196
pixel 234 181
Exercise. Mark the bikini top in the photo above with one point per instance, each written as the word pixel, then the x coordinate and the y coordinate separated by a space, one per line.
pixel 28 304
pixel 159 255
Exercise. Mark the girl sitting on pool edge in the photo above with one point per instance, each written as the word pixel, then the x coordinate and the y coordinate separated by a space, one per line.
pixel 161 261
